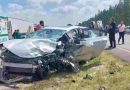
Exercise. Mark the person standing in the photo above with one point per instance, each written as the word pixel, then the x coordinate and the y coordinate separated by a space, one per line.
pixel 106 29
pixel 121 28
pixel 112 31
pixel 18 35
pixel 14 34
pixel 91 25
pixel 40 25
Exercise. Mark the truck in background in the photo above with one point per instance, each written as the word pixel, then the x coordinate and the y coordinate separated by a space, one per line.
pixel 4 35
pixel 8 25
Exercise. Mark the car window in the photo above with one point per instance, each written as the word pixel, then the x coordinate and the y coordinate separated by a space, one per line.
pixel 87 34
pixel 52 34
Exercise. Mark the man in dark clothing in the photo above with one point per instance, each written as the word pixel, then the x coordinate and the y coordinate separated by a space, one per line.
pixel 91 25
pixel 14 34
pixel 112 31
pixel 18 35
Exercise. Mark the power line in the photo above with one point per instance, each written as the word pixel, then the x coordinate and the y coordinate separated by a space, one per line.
pixel 20 19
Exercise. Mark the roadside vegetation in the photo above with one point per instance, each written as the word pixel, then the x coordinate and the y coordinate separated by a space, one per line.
pixel 105 72
pixel 119 12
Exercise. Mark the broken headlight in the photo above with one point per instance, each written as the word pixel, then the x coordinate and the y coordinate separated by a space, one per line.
pixel 3 49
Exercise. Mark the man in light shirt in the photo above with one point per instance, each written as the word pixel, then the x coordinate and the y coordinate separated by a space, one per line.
pixel 121 28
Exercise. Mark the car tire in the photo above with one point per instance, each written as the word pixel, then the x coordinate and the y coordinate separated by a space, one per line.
pixel 4 75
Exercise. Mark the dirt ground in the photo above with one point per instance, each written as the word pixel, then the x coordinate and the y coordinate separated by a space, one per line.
pixel 14 87
pixel 106 71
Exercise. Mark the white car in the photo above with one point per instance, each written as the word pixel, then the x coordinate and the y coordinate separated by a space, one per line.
pixel 52 48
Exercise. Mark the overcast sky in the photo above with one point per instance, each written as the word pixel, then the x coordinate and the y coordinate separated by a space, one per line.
pixel 54 12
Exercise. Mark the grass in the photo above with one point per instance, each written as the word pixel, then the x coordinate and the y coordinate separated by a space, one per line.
pixel 105 71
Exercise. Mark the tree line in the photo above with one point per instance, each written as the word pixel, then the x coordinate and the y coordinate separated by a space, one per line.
pixel 119 12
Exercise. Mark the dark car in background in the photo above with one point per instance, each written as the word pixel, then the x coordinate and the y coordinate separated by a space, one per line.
pixel 127 29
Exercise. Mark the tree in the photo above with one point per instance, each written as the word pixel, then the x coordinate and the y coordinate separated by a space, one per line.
pixel 127 11
pixel 120 12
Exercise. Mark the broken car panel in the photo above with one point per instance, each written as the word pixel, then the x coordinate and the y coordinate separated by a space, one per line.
pixel 53 48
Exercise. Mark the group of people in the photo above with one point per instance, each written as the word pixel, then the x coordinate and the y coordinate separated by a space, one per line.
pixel 96 25
pixel 16 34
pixel 112 31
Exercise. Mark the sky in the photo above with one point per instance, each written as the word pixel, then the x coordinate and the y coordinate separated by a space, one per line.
pixel 54 12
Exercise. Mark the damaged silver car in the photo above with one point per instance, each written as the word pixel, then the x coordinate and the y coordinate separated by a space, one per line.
pixel 50 49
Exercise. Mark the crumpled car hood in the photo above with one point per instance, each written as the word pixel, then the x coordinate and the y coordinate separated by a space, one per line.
pixel 30 48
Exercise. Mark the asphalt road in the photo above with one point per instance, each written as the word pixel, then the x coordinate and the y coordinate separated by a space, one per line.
pixel 122 50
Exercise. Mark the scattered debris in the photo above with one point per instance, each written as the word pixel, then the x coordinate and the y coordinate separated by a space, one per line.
pixel 88 77
pixel 102 88
pixel 73 81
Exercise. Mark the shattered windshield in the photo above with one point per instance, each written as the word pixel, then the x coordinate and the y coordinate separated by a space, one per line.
pixel 52 34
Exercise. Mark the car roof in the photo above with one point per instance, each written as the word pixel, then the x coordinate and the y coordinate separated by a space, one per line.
pixel 67 28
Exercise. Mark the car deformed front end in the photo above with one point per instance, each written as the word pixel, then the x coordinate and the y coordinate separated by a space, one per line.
pixel 55 50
